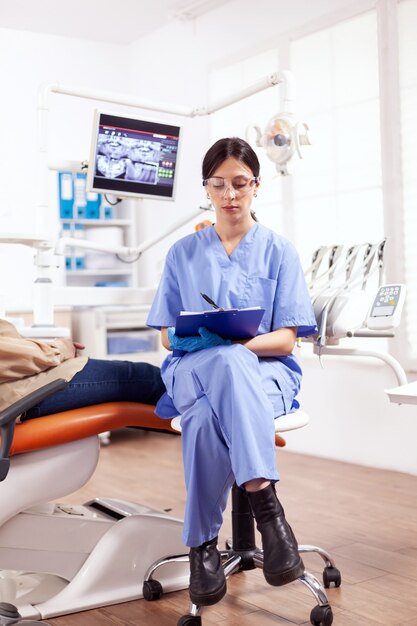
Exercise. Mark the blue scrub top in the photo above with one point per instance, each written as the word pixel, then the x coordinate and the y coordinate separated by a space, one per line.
pixel 264 270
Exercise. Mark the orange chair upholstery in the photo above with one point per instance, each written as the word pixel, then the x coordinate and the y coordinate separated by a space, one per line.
pixel 67 426
pixel 59 428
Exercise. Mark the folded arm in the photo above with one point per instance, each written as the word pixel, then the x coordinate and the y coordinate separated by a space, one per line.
pixel 279 342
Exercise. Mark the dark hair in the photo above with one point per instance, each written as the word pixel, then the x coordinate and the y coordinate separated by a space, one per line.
pixel 228 147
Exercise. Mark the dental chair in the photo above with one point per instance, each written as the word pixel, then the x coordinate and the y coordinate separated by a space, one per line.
pixel 241 552
pixel 57 559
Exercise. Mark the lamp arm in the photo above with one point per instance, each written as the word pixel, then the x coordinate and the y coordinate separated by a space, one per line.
pixel 283 76
pixel 276 78
pixel 107 96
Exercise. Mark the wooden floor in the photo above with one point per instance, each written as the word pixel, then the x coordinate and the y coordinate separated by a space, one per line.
pixel 366 518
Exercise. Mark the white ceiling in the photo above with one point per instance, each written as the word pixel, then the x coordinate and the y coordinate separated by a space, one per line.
pixel 111 21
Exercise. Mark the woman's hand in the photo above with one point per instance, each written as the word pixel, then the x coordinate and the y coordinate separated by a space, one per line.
pixel 205 339
pixel 67 347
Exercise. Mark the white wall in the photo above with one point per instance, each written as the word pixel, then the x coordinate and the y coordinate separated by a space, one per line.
pixel 351 416
pixel 169 66
pixel 28 60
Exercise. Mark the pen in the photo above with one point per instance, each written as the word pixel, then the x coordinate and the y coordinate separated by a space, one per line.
pixel 209 300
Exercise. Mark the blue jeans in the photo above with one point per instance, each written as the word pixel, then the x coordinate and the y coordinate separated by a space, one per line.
pixel 104 381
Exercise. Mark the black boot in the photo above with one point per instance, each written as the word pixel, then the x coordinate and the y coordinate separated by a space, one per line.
pixel 207 579
pixel 282 562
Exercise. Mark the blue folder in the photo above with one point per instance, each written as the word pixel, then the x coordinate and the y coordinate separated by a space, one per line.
pixel 229 324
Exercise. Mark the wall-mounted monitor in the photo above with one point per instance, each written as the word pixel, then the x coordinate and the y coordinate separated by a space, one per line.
pixel 133 157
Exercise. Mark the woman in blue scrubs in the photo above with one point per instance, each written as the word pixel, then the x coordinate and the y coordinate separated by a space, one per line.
pixel 229 394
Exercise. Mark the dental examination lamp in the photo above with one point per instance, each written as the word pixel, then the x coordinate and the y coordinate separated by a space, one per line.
pixel 282 140
pixel 283 136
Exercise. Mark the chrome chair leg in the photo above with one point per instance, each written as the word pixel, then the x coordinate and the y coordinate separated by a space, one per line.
pixel 152 588
pixel 331 574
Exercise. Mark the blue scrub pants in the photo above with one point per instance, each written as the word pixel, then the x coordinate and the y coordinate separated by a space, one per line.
pixel 228 430
pixel 101 380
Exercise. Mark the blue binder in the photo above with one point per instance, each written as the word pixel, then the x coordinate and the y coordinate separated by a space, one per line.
pixel 229 324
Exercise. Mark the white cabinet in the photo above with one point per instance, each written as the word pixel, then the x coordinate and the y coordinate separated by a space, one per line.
pixel 93 279
pixel 99 219
pixel 90 268
pixel 117 333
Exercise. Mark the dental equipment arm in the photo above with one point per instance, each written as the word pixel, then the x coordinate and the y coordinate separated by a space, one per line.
pixel 376 354
pixel 49 254
pixel 128 251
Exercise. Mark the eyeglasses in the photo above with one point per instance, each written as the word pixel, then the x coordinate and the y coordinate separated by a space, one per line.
pixel 240 185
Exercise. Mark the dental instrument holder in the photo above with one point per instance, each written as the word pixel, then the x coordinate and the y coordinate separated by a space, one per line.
pixel 339 287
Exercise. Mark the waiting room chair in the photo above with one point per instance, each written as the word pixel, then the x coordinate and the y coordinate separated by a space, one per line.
pixel 57 559
pixel 241 552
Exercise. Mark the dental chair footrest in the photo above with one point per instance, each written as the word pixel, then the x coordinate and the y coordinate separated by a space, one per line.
pixel 95 554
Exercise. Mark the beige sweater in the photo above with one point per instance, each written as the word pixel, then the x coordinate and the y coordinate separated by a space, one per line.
pixel 27 364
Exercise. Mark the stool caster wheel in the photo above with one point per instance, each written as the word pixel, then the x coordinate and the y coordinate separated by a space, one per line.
pixel 189 620
pixel 321 616
pixel 152 590
pixel 331 575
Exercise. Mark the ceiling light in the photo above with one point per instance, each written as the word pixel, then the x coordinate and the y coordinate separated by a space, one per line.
pixel 195 8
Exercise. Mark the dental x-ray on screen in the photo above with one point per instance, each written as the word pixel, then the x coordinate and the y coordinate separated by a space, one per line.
pixel 133 157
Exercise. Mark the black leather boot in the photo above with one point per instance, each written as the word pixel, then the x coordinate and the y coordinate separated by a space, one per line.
pixel 282 562
pixel 207 579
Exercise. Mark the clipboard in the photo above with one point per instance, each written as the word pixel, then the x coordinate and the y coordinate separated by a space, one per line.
pixel 229 323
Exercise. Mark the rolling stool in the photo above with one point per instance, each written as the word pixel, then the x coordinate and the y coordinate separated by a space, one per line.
pixel 241 552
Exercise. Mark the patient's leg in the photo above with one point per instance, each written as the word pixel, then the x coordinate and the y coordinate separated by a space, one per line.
pixel 105 381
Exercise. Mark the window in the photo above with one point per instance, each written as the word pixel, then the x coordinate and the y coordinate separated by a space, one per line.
pixel 337 185
pixel 336 188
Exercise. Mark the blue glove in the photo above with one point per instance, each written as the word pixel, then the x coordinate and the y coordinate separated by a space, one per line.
pixel 211 339
pixel 186 344
pixel 205 339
